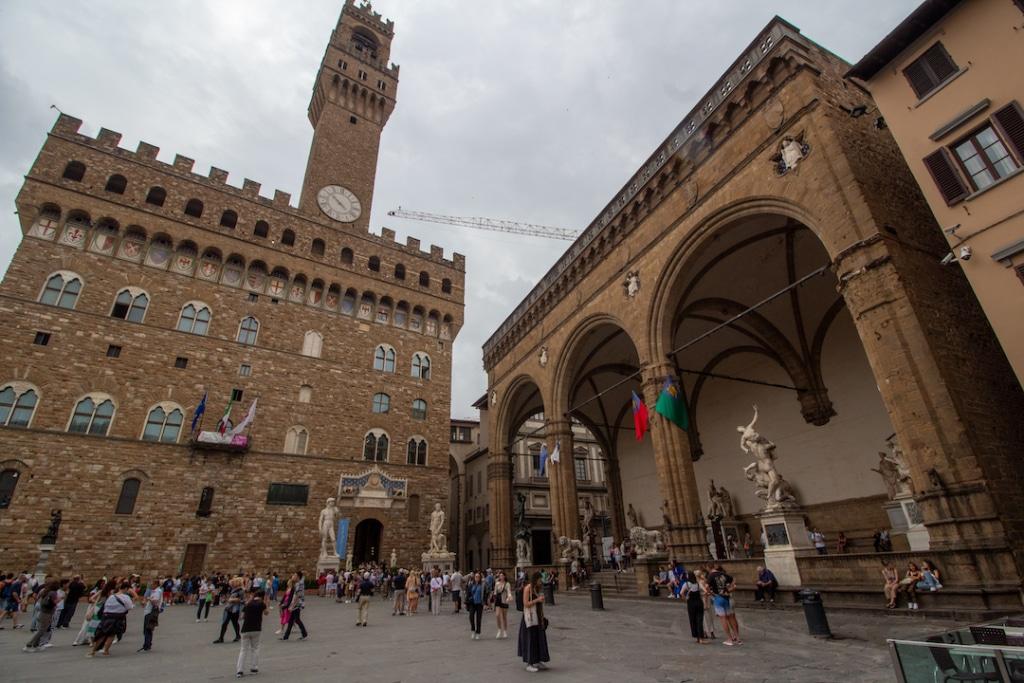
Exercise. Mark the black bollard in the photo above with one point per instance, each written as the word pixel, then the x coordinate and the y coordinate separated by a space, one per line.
pixel 549 594
pixel 814 613
pixel 596 598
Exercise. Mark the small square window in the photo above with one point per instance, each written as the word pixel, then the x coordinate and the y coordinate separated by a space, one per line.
pixel 181 362
pixel 113 351
pixel 236 394
pixel 352 120
pixel 253 296
pixel 275 301
pixel 244 370
pixel 42 338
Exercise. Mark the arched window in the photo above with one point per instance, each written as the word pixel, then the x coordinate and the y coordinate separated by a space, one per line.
pixel 163 423
pixel 419 409
pixel 296 439
pixel 421 366
pixel 347 256
pixel 93 415
pixel 17 404
pixel 8 482
pixel 374 264
pixel 129 493
pixel 375 446
pixel 305 393
pixel 75 170
pixel 116 184
pixel 318 247
pixel 348 302
pixel 312 344
pixel 130 305
pixel 384 358
pixel 416 451
pixel 381 403
pixel 156 196
pixel 194 208
pixel 62 289
pixel 248 330
pixel 261 229
pixel 288 237
pixel 195 318
pixel 424 279
pixel 446 286
pixel 228 219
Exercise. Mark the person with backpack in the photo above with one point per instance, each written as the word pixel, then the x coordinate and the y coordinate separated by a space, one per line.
pixel 113 618
pixel 151 615
pixel 46 598
pixel 722 585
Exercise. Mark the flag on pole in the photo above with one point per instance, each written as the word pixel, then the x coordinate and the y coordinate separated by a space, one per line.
pixel 641 418
pixel 225 419
pixel 200 409
pixel 247 420
pixel 672 405
pixel 556 454
pixel 543 459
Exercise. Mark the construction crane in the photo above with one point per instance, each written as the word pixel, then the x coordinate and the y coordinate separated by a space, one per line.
pixel 493 224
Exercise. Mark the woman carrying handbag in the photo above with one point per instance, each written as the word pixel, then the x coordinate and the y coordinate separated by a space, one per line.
pixel 533 642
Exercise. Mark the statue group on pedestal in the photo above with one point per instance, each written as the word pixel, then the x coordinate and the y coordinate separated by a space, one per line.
pixel 719 503
pixel 775 491
pixel 438 540
pixel 892 467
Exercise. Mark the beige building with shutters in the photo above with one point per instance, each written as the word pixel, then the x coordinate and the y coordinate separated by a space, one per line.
pixel 947 82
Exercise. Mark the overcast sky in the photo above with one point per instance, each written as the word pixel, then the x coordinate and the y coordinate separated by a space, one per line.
pixel 536 111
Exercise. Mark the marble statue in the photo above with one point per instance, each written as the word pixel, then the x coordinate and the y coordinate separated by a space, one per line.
pixel 646 541
pixel 328 529
pixel 762 472
pixel 588 520
pixel 570 548
pixel 522 551
pixel 634 518
pixel 905 483
pixel 726 499
pixel 716 510
pixel 543 359
pixel 438 542
pixel 394 558
pixel 632 284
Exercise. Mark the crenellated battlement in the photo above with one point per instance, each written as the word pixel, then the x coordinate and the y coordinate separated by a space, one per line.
pixel 365 12
pixel 68 128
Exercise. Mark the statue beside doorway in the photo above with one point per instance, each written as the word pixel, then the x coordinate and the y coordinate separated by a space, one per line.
pixel 438 555
pixel 328 525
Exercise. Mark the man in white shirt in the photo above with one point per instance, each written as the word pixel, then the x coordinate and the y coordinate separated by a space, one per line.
pixel 151 615
pixel 436 586
pixel 455 582
pixel 818 539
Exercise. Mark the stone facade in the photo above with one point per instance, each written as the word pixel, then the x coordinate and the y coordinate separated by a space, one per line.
pixel 325 296
pixel 770 152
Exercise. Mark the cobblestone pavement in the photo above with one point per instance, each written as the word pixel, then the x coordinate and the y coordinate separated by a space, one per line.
pixel 630 641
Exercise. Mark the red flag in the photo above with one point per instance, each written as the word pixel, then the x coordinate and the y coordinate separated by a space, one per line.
pixel 641 419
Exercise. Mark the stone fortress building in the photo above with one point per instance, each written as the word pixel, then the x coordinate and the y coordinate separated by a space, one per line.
pixel 141 286
pixel 775 251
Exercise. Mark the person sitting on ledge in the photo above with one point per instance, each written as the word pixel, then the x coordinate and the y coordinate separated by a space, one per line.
pixel 908 584
pixel 930 577
pixel 765 585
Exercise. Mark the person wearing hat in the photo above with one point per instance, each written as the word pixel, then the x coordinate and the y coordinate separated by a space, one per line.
pixel 365 593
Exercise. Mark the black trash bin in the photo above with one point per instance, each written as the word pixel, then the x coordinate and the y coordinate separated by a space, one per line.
pixel 596 598
pixel 814 613
pixel 549 594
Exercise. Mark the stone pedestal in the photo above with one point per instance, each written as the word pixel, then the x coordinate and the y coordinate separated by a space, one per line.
pixel 906 520
pixel 646 566
pixel 44 560
pixel 787 539
pixel 328 563
pixel 444 561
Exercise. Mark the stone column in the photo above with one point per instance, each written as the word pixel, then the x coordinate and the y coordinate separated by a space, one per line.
pixel 921 336
pixel 499 492
pixel 687 538
pixel 617 511
pixel 565 520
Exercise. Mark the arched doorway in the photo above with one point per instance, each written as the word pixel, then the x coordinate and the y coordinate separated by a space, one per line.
pixel 366 547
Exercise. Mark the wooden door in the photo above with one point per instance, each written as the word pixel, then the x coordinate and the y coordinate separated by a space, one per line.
pixel 195 557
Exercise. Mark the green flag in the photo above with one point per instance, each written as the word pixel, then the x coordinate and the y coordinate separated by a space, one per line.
pixel 671 405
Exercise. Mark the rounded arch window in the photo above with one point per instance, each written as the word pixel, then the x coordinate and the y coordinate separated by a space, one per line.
pixel 92 415
pixel 62 289
pixel 163 424
pixel 381 403
pixel 261 229
pixel 117 184
pixel 421 366
pixel 129 494
pixel 156 196
pixel 374 264
pixel 318 247
pixel 312 344
pixel 375 445
pixel 228 219
pixel 296 440
pixel 416 451
pixel 424 279
pixel 305 393
pixel 288 237
pixel 8 482
pixel 75 170
pixel 384 358
pixel 18 404
pixel 446 286
pixel 194 208
pixel 194 318
pixel 419 409
pixel 248 330
pixel 347 256
pixel 131 304
pixel 399 271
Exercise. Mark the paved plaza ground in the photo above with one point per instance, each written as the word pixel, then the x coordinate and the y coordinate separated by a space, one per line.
pixel 629 641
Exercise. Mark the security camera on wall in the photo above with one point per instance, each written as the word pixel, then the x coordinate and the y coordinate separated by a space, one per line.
pixel 948 258
pixel 965 253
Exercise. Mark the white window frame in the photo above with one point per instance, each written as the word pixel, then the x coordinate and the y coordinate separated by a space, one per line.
pixel 312 344
pixel 135 293
pixel 255 337
pixel 292 440
pixel 97 398
pixel 68 276
pixel 21 388
pixel 168 407
pixel 417 365
pixel 418 440
pixel 376 432
pixel 198 306
pixel 387 405
pixel 388 349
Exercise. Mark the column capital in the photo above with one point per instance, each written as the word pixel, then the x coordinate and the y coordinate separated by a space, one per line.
pixel 559 428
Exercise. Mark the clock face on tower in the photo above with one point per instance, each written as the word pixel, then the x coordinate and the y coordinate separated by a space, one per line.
pixel 339 203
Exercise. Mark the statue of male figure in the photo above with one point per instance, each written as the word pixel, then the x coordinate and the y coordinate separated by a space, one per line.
pixel 328 529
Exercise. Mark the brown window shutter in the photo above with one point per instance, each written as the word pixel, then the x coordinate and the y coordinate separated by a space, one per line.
pixel 941 63
pixel 1010 121
pixel 947 178
pixel 1020 273
pixel 919 78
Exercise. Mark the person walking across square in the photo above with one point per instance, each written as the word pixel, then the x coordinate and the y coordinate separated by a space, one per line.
pixel 252 629
pixel 365 593
pixel 298 601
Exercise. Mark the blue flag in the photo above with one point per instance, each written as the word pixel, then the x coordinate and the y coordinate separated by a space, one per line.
pixel 543 459
pixel 200 409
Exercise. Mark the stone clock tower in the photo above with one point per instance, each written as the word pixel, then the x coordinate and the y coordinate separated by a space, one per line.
pixel 353 97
